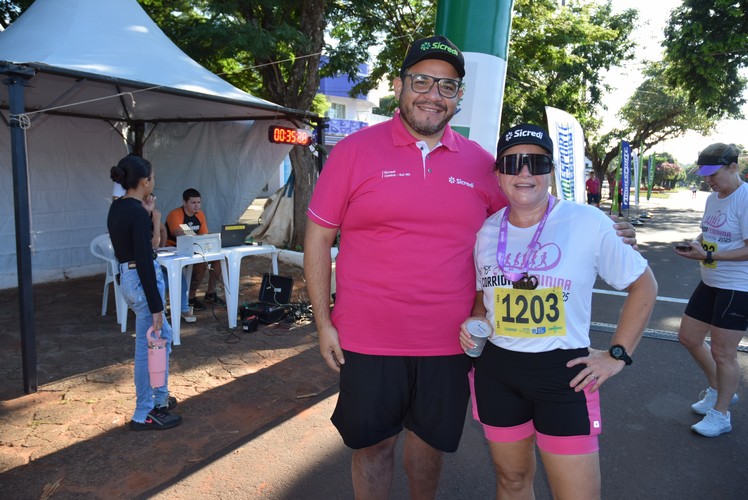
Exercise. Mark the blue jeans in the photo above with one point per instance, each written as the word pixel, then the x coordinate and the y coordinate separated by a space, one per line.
pixel 146 397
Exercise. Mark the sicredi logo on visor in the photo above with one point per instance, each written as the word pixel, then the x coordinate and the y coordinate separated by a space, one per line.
pixel 524 133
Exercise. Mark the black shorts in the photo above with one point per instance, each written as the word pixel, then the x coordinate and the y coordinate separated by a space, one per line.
pixel 519 394
pixel 379 395
pixel 719 307
pixel 593 198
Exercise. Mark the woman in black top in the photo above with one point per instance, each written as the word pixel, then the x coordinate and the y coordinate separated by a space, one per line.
pixel 142 283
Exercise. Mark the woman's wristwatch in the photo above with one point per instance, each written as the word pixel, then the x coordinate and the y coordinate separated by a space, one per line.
pixel 619 352
pixel 708 259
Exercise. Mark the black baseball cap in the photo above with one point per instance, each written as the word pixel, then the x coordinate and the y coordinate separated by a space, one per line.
pixel 524 134
pixel 434 47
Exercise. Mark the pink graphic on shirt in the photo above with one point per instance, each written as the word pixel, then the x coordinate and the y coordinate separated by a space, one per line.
pixel 716 220
pixel 544 258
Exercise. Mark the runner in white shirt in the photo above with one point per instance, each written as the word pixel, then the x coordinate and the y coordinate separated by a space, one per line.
pixel 720 302
pixel 537 378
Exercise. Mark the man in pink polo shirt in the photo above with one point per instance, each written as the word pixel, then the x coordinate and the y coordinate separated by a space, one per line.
pixel 407 196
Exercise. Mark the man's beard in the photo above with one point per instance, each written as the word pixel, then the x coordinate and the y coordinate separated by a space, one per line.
pixel 424 127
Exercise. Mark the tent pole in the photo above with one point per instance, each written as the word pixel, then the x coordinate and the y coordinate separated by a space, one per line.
pixel 138 131
pixel 18 78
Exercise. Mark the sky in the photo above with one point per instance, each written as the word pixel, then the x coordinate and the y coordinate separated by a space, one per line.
pixel 653 16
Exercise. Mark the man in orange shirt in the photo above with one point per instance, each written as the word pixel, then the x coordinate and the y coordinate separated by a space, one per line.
pixel 190 213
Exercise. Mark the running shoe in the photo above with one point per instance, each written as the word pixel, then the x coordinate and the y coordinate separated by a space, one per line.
pixel 170 405
pixel 156 421
pixel 708 400
pixel 713 424
pixel 188 317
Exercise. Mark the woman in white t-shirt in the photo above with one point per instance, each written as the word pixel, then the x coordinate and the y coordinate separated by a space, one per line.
pixel 537 379
pixel 719 305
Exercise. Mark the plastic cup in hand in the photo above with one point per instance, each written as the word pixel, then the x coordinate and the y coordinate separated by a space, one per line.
pixel 479 332
pixel 156 358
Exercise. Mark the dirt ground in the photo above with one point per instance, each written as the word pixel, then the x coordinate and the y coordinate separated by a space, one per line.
pixel 70 439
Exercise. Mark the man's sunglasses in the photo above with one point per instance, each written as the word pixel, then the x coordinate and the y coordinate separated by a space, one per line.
pixel 538 164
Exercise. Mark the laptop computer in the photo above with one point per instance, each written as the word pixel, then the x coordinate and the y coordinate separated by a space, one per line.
pixel 233 235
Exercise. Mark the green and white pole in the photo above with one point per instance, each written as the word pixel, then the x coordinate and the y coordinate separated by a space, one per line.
pixel 480 28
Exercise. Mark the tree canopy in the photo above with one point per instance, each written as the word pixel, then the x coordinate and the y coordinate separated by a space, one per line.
pixel 10 10
pixel 706 46
pixel 653 114
pixel 558 56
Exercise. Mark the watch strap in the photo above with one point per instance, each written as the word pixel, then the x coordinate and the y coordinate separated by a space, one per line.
pixel 708 259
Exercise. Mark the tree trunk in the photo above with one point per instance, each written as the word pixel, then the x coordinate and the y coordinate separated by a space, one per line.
pixel 294 85
pixel 304 166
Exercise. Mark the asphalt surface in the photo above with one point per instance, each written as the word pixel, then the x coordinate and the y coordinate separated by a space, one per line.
pixel 256 406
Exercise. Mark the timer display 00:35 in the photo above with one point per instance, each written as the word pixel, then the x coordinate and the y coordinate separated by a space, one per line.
pixel 288 135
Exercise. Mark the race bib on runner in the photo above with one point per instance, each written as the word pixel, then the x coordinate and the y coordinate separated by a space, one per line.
pixel 529 313
pixel 709 246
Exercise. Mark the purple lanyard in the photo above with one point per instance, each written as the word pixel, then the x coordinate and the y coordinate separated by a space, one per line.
pixel 503 236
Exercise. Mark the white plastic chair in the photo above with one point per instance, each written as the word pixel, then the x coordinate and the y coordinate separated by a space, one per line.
pixel 101 247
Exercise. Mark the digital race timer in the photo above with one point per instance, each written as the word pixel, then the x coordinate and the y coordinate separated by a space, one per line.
pixel 287 135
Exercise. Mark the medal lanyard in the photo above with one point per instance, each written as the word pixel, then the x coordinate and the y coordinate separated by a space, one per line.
pixel 503 236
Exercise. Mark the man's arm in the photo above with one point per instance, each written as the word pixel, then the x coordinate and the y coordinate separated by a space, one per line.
pixel 318 241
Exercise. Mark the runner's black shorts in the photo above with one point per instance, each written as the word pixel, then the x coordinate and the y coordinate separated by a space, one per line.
pixel 719 307
pixel 381 395
pixel 521 394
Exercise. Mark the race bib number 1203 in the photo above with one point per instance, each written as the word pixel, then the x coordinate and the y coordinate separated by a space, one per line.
pixel 530 313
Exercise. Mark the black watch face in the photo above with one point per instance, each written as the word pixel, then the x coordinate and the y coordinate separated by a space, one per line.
pixel 617 352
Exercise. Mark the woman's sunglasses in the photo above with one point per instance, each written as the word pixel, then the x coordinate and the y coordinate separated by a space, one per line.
pixel 538 164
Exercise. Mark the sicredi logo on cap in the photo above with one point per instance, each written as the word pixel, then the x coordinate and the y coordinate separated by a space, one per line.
pixel 516 134
pixel 438 46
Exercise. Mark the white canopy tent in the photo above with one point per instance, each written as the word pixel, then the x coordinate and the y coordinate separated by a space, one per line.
pixel 81 76
pixel 100 68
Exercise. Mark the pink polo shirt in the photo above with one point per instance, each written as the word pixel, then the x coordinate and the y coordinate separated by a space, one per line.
pixel 408 220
